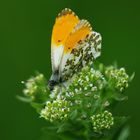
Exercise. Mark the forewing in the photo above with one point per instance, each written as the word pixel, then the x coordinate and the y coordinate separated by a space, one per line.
pixel 65 22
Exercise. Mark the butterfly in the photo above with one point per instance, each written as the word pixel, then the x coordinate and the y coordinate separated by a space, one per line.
pixel 73 45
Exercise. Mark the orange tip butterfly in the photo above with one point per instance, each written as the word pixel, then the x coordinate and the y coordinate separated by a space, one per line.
pixel 73 45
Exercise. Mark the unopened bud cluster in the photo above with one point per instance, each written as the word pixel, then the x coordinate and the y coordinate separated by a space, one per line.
pixel 56 110
pixel 102 121
pixel 118 76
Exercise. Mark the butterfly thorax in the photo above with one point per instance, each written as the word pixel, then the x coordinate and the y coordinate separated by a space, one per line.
pixel 54 80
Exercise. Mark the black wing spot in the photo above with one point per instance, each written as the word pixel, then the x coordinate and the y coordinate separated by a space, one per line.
pixel 87 35
pixel 79 41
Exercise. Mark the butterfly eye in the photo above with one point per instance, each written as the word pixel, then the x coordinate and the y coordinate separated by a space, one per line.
pixel 59 41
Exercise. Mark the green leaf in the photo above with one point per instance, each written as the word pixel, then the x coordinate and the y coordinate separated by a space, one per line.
pixel 64 127
pixel 37 106
pixel 24 99
pixel 120 122
pixel 132 77
pixel 124 133
pixel 74 114
pixel 49 127
pixel 120 97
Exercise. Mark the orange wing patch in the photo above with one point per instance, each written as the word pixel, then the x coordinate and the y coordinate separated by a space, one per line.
pixel 79 33
pixel 64 24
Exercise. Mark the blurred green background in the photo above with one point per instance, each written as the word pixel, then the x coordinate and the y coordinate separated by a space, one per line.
pixel 25 34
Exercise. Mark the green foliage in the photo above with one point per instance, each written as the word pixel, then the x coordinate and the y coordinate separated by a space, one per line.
pixel 83 107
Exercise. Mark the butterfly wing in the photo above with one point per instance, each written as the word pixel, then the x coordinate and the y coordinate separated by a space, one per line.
pixel 81 46
pixel 73 45
pixel 65 22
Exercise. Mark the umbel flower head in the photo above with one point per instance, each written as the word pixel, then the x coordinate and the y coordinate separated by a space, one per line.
pixel 56 110
pixel 85 83
pixel 32 85
pixel 118 77
pixel 89 91
pixel 88 80
pixel 35 88
pixel 102 121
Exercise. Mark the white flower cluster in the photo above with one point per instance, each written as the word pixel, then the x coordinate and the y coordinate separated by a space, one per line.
pixel 118 76
pixel 84 92
pixel 87 81
pixel 56 110
pixel 31 86
pixel 102 121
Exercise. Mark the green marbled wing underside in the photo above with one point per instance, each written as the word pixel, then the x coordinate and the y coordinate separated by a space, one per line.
pixel 86 51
